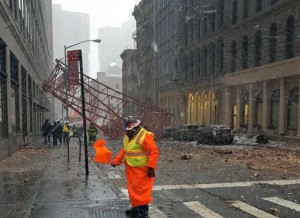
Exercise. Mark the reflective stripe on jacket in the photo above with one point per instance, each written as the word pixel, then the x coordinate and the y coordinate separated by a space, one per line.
pixel 134 154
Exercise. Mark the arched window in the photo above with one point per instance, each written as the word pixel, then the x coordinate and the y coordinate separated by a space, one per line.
pixel 246 8
pixel 290 37
pixel 245 52
pixel 273 43
pixel 292 110
pixel 233 56
pixel 234 8
pixel 258 48
pixel 274 109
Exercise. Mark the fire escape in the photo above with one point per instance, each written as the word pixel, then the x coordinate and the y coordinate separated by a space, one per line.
pixel 107 117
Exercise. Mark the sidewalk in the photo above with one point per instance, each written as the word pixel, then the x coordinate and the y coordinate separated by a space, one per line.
pixel 38 182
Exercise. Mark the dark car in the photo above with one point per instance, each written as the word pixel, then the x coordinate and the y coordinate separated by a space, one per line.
pixel 215 134
pixel 169 132
pixel 188 133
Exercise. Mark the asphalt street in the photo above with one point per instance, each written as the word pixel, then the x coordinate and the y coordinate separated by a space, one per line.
pixel 225 181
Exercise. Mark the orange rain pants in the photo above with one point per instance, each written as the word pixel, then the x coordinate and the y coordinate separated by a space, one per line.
pixel 138 184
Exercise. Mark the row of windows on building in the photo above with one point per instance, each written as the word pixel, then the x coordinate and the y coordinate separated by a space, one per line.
pixel 201 25
pixel 29 27
pixel 29 91
pixel 210 59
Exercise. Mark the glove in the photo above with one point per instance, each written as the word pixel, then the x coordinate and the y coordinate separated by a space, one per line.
pixel 112 164
pixel 150 172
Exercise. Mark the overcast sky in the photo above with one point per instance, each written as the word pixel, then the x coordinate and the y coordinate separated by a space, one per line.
pixel 102 13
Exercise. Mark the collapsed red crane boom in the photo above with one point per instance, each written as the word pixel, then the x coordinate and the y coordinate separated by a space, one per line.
pixel 106 116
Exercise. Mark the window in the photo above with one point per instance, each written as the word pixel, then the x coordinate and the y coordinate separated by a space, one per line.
pixel 234 12
pixel 204 61
pixel 245 52
pixel 290 37
pixel 246 8
pixel 3 109
pixel 14 93
pixel 273 2
pixel 213 21
pixel 199 28
pixel 233 56
pixel 259 5
pixel 273 43
pixel 258 48
pixel 212 58
pixel 221 13
pixel 204 26
pixel 220 55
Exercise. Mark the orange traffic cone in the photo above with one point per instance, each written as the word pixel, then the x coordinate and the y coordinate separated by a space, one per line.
pixel 102 155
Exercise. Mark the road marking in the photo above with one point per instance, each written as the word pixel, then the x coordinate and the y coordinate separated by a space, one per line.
pixel 125 192
pixel 154 212
pixel 113 175
pixel 251 210
pixel 201 209
pixel 284 203
pixel 226 185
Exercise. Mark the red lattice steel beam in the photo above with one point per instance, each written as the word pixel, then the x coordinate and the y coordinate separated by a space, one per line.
pixel 107 117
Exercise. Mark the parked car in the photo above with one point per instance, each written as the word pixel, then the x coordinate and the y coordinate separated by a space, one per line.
pixel 169 132
pixel 215 134
pixel 188 133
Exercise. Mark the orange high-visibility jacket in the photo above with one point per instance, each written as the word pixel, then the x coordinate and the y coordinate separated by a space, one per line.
pixel 138 184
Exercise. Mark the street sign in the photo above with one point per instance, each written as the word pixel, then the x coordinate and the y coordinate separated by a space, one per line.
pixel 73 67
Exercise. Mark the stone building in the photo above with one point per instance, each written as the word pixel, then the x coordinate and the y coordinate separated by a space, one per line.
pixel 26 53
pixel 144 36
pixel 129 73
pixel 235 63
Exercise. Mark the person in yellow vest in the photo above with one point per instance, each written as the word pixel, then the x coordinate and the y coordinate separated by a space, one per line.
pixel 140 156
pixel 66 133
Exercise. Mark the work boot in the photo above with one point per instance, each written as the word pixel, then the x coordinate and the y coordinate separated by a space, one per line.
pixel 143 211
pixel 132 213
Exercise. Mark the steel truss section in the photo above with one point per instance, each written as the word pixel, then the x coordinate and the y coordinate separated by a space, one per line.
pixel 106 116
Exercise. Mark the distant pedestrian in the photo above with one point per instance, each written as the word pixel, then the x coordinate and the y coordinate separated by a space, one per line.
pixel 92 131
pixel 140 156
pixel 57 132
pixel 54 133
pixel 46 128
pixel 66 133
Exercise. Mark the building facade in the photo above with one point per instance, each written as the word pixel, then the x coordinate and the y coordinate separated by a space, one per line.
pixel 26 53
pixel 144 37
pixel 129 72
pixel 229 62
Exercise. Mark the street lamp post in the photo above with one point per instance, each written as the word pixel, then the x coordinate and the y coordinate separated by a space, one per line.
pixel 65 73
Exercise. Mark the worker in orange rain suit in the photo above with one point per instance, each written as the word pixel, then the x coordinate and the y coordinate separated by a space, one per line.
pixel 140 156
